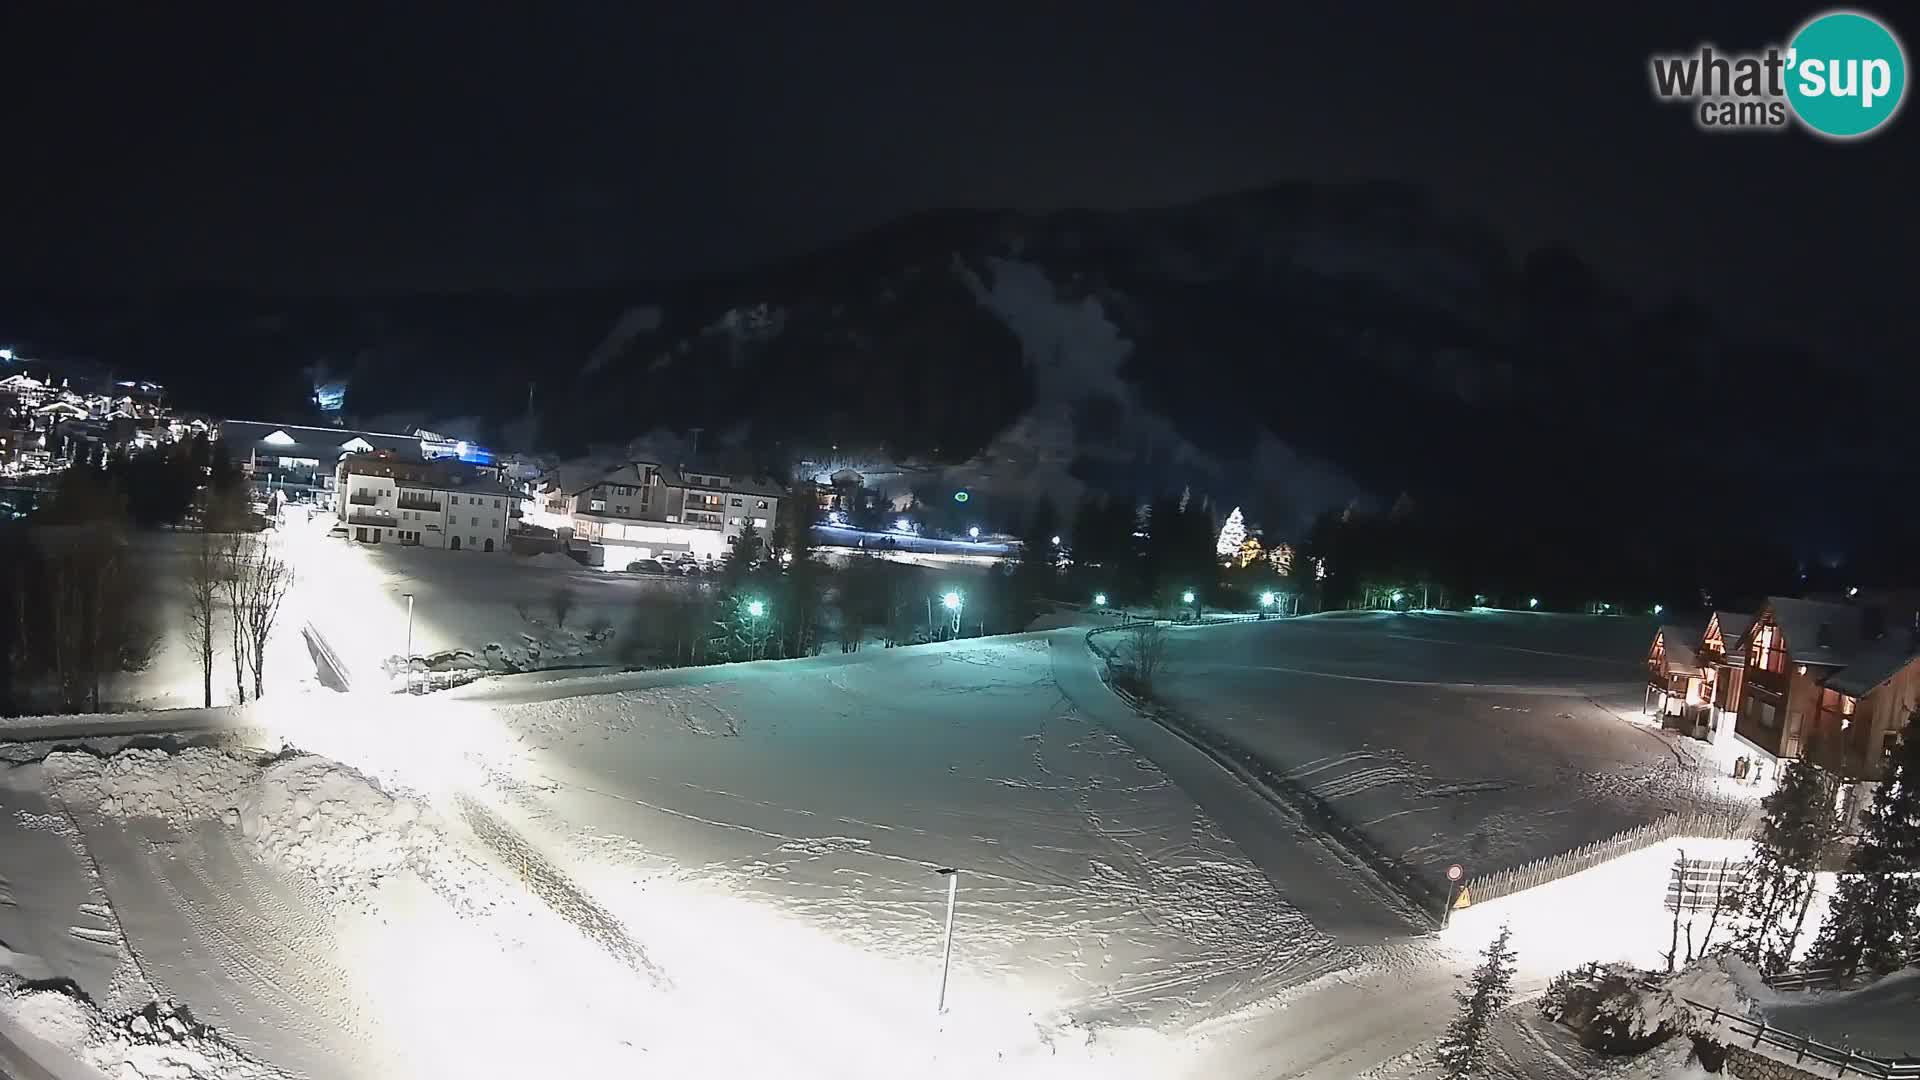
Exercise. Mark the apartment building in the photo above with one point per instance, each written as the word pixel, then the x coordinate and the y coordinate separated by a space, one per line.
pixel 387 499
pixel 647 509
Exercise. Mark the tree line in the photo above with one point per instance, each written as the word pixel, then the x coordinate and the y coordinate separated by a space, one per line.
pixel 79 603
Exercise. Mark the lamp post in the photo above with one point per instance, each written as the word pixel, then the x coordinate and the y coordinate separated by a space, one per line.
pixel 755 609
pixel 952 603
pixel 409 597
pixel 1266 603
pixel 946 959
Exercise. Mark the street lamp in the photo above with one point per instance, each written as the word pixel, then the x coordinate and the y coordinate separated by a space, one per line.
pixel 973 532
pixel 1099 599
pixel 1187 597
pixel 1533 602
pixel 1266 599
pixel 755 609
pixel 946 959
pixel 409 597
pixel 1056 541
pixel 1658 608
pixel 951 601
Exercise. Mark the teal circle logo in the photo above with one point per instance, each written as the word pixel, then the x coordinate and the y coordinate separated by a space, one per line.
pixel 1846 74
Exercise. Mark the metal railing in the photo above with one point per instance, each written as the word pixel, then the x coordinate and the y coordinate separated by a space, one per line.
pixel 1805 1048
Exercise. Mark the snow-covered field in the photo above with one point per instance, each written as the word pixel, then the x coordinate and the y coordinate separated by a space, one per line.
pixel 1487 739
pixel 734 871
pixel 729 869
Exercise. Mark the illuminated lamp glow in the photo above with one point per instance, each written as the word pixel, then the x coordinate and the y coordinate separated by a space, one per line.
pixel 1099 599
pixel 952 601
pixel 1187 597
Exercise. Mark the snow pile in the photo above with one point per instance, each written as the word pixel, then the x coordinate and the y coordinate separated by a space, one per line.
pixel 196 783
pixel 311 814
pixel 1718 982
pixel 334 825
pixel 156 1043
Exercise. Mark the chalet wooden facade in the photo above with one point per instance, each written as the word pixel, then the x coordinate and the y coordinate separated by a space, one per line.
pixel 1834 681
pixel 1677 686
pixel 1829 681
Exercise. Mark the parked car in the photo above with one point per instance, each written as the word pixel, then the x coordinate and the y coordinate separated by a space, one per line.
pixel 646 566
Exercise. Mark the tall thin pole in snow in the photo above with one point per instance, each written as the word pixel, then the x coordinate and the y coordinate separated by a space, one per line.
pixel 946 961
pixel 409 643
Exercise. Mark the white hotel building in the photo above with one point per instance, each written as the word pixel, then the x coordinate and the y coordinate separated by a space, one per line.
pixel 647 510
pixel 384 499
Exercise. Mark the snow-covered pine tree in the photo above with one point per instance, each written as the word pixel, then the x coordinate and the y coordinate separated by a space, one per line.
pixel 1800 825
pixel 1874 920
pixel 1232 535
pixel 1463 1049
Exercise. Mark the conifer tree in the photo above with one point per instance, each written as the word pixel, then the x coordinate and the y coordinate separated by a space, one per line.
pixel 1464 1048
pixel 1874 920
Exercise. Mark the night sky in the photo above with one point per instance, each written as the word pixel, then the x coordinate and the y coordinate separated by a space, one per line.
pixel 457 146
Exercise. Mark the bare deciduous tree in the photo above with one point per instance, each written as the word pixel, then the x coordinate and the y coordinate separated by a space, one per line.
pixel 203 596
pixel 1146 653
pixel 256 582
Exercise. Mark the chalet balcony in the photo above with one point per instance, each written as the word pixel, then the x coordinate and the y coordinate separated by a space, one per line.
pixel 382 518
pixel 428 505
pixel 363 499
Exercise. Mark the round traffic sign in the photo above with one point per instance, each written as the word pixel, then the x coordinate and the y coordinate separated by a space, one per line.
pixel 1454 873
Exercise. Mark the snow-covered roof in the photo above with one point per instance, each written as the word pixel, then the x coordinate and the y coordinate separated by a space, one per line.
pixel 1733 626
pixel 1818 632
pixel 301 440
pixel 1866 672
pixel 1679 642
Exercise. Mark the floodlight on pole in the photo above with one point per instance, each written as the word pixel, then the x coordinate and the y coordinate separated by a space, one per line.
pixel 973 532
pixel 1266 599
pixel 1533 602
pixel 1099 599
pixel 1187 597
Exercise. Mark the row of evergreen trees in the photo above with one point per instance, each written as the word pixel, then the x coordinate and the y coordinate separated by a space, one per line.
pixel 1873 921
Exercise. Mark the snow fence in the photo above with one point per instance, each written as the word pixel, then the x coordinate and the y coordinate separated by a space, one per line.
pixel 1706 824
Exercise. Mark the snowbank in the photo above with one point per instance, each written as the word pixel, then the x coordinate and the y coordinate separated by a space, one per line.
pixel 317 816
pixel 156 1043
pixel 335 826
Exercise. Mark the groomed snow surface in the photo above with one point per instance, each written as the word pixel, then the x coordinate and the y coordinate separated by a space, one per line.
pixel 725 872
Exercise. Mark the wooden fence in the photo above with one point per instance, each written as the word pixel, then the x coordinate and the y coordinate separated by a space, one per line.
pixel 1554 867
pixel 1807 1050
pixel 1703 884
